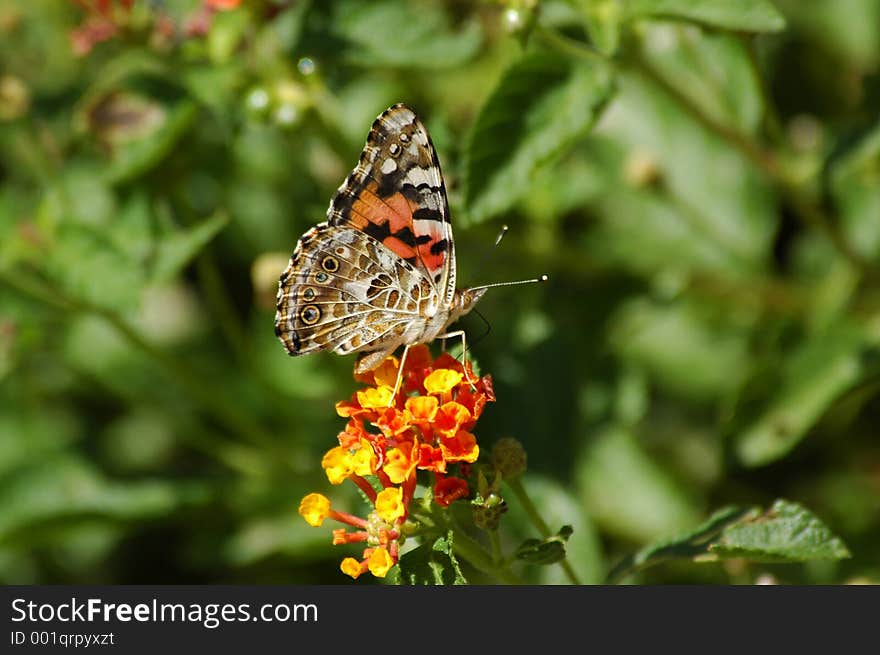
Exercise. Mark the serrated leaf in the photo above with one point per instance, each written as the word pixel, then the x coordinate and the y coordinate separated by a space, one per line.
pixel 739 15
pixel 787 532
pixel 812 377
pixel 541 105
pixel 545 551
pixel 686 545
pixel 432 563
pixel 178 248
pixel 393 33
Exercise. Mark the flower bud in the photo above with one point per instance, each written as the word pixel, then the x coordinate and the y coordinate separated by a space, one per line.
pixel 509 457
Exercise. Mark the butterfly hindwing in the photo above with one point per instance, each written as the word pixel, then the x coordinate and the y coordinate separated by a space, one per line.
pixel 343 290
pixel 396 195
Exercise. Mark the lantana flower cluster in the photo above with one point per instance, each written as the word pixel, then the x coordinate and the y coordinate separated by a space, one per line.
pixel 427 426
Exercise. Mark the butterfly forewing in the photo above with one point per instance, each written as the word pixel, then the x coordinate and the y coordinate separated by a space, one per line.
pixel 380 272
pixel 397 196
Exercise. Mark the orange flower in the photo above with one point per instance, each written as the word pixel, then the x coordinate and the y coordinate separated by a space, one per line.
pixel 388 438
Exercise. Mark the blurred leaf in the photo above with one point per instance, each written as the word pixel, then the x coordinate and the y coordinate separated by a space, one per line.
pixel 850 29
pixel 65 489
pixel 544 551
pixel 179 248
pixel 540 106
pixel 407 34
pixel 227 31
pixel 855 185
pixel 103 275
pixel 432 563
pixel 724 223
pixel 738 15
pixel 288 25
pixel 810 380
pixel 627 492
pixel 686 348
pixel 602 19
pixel 787 532
pixel 713 69
pixel 137 157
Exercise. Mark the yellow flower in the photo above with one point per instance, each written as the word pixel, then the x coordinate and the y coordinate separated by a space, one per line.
pixel 375 397
pixel 422 408
pixel 442 380
pixel 337 464
pixel 380 562
pixel 389 504
pixel 363 460
pixel 386 373
pixel 314 508
pixel 350 566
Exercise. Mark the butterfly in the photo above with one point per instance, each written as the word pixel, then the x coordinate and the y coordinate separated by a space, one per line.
pixel 380 272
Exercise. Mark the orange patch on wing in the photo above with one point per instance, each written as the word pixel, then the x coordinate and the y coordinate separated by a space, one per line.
pixel 402 216
pixel 369 207
pixel 399 247
pixel 433 262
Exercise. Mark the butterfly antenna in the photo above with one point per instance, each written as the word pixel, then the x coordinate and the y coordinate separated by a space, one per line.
pixel 543 278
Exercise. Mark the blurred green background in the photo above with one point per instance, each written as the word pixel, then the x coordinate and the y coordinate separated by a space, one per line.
pixel 701 181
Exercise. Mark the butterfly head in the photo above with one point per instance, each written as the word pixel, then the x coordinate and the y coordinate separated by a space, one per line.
pixel 465 299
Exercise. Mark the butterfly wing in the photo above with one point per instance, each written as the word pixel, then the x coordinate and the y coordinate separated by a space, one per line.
pixel 396 195
pixel 345 291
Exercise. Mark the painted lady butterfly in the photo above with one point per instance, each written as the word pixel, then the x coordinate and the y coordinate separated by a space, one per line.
pixel 380 272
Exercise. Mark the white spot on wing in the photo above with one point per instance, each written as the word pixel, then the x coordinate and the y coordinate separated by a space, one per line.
pixel 388 166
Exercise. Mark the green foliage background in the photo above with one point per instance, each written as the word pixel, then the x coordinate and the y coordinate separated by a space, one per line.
pixel 701 181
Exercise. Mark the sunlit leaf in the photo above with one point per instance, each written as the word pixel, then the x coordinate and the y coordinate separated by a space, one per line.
pixel 432 563
pixel 541 104
pixel 787 532
pixel 393 33
pixel 739 15
pixel 811 378
pixel 177 249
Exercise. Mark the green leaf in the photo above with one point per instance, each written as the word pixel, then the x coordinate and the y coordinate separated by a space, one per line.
pixel 394 33
pixel 178 248
pixel 724 224
pixel 811 379
pixel 688 545
pixel 687 348
pixel 545 551
pixel 627 492
pixel 432 563
pixel 787 532
pixel 602 19
pixel 65 489
pixel 540 106
pixel 855 185
pixel 137 157
pixel 713 69
pixel 738 15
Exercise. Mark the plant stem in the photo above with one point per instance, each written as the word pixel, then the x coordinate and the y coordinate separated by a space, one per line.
pixel 538 521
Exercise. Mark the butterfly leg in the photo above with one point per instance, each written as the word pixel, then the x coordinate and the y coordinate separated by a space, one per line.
pixel 452 335
pixel 399 376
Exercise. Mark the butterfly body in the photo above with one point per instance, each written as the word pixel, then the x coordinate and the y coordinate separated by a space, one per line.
pixel 380 272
